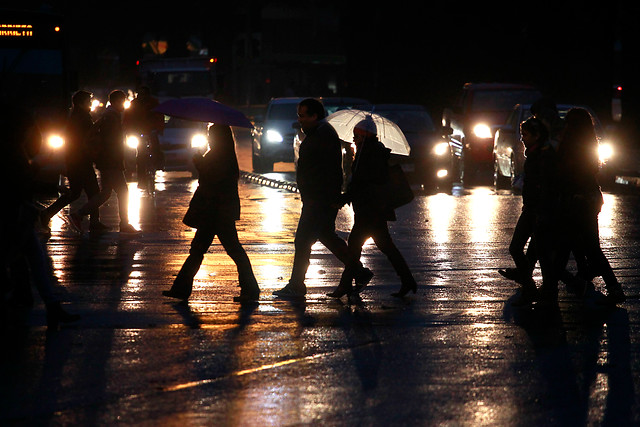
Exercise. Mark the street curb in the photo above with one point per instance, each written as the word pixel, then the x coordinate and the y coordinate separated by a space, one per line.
pixel 269 182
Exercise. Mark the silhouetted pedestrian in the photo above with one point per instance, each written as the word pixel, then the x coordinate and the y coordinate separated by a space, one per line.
pixel 23 256
pixel 534 136
pixel 580 200
pixel 319 177
pixel 369 174
pixel 140 120
pixel 79 161
pixel 108 140
pixel 213 211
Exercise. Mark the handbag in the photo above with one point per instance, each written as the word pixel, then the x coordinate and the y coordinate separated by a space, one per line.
pixel 397 191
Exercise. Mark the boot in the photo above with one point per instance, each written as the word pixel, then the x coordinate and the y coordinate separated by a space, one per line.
pixel 528 295
pixel 408 285
pixel 56 315
pixel 183 284
pixel 249 290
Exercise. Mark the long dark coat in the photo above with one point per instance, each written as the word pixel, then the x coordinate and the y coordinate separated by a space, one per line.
pixel 319 173
pixel 77 150
pixel 110 137
pixel 370 172
pixel 216 199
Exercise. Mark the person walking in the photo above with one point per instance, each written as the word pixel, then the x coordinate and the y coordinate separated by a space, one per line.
pixel 108 139
pixel 370 172
pixel 580 200
pixel 535 138
pixel 79 162
pixel 213 211
pixel 319 177
pixel 22 253
pixel 140 120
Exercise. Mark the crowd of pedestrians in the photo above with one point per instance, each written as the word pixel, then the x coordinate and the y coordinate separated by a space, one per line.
pixel 561 202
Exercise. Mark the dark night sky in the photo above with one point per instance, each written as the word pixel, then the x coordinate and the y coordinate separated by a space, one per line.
pixel 421 53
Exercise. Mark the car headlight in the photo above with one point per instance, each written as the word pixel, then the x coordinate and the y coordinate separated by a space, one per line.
pixel 95 104
pixel 273 136
pixel 605 151
pixel 481 130
pixel 441 149
pixel 55 142
pixel 133 141
pixel 199 141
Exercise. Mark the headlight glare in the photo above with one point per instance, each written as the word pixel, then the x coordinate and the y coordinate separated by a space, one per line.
pixel 133 141
pixel 481 130
pixel 605 151
pixel 441 149
pixel 55 142
pixel 273 136
pixel 199 141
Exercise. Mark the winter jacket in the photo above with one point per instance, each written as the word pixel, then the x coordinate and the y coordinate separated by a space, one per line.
pixel 108 141
pixel 319 172
pixel 78 127
pixel 370 173
pixel 216 199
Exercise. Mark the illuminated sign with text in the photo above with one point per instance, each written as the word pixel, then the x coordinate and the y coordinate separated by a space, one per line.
pixel 16 30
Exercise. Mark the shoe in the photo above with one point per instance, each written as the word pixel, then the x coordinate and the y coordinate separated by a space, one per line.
pixel 509 273
pixel 291 292
pixel 75 220
pixel 175 294
pixel 248 293
pixel 56 315
pixel 612 298
pixel 405 289
pixel 362 280
pixel 548 296
pixel 364 277
pixel 98 227
pixel 341 291
pixel 247 297
pixel 128 228
pixel 527 297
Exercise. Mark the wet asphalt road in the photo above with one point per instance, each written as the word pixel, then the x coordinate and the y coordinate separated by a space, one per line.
pixel 455 353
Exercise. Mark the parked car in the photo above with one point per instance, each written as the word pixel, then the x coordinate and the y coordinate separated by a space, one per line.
pixel 480 108
pixel 435 160
pixel 508 149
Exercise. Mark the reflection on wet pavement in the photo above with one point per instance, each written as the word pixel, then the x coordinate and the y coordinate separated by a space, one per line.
pixel 456 353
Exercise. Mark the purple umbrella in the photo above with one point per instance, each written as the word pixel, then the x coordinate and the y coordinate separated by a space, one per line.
pixel 203 110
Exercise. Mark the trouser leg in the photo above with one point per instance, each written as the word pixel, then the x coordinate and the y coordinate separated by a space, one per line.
pixel 357 238
pixel 183 283
pixel 523 232
pixel 228 236
pixel 383 241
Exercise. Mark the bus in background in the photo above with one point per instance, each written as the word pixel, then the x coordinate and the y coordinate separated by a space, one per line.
pixel 34 74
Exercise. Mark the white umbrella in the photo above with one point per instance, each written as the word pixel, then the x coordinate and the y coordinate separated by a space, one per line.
pixel 344 121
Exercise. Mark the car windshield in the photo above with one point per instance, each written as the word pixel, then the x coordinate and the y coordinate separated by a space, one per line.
pixel 175 123
pixel 502 100
pixel 410 120
pixel 288 111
